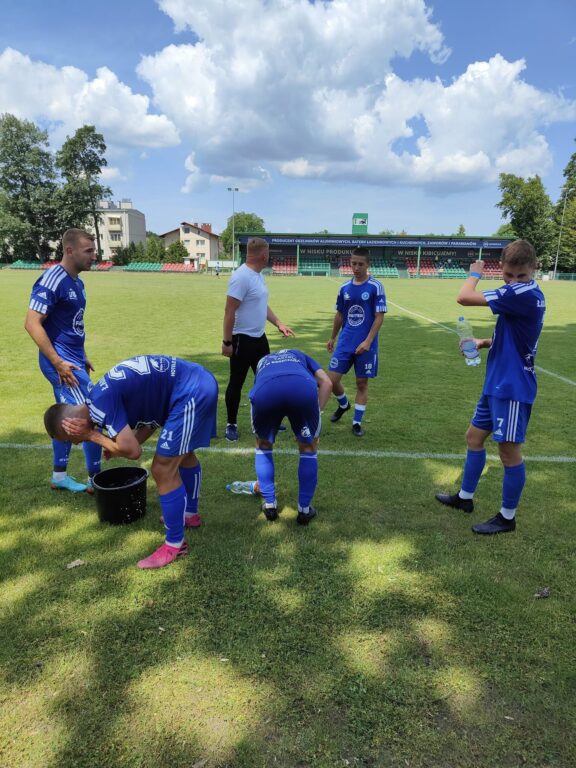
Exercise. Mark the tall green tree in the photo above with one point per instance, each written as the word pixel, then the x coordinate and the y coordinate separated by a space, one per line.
pixel 155 251
pixel 529 209
pixel 176 253
pixel 461 232
pixel 505 230
pixel 27 185
pixel 81 160
pixel 243 222
pixel 564 222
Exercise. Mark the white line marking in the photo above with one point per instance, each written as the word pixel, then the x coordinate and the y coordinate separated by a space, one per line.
pixel 293 452
pixel 447 328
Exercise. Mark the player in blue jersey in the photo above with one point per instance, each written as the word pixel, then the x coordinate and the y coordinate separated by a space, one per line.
pixel 288 384
pixel 129 403
pixel 510 385
pixel 55 320
pixel 360 309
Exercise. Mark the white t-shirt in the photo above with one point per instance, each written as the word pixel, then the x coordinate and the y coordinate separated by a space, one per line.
pixel 249 288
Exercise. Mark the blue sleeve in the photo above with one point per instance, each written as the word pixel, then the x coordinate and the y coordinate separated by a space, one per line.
pixel 340 302
pixel 106 411
pixel 515 299
pixel 312 365
pixel 42 299
pixel 380 299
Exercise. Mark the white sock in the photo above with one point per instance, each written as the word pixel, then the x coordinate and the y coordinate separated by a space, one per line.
pixel 465 494
pixel 57 476
pixel 508 514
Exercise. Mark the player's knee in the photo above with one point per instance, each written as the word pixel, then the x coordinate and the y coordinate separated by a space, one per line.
pixel 510 454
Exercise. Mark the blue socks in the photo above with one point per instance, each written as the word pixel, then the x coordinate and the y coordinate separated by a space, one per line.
pixel 475 462
pixel 307 478
pixel 61 453
pixel 358 413
pixel 93 457
pixel 265 473
pixel 192 479
pixel 514 479
pixel 342 400
pixel 173 506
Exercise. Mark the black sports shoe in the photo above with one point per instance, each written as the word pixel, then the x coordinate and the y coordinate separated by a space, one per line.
pixel 466 505
pixel 496 524
pixel 357 430
pixel 339 412
pixel 305 517
pixel 270 513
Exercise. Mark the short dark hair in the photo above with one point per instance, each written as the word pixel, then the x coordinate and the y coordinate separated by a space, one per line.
pixel 518 253
pixel 362 252
pixel 53 418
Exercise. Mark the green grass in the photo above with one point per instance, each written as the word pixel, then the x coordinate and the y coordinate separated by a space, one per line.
pixel 384 634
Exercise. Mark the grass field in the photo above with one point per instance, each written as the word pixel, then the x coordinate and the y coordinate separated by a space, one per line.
pixel 383 634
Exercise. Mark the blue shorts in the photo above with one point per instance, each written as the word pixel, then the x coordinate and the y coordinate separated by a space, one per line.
pixel 365 365
pixel 191 422
pixel 291 397
pixel 64 393
pixel 506 419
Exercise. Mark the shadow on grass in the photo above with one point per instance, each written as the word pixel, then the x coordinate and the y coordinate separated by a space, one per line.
pixel 381 633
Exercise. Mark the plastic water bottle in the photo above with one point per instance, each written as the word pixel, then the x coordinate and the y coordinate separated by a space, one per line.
pixel 467 343
pixel 242 486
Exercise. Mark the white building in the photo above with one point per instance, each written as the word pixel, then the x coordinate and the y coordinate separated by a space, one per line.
pixel 200 242
pixel 120 225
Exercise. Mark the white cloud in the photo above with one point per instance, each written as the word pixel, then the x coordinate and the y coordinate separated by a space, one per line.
pixel 308 90
pixel 111 173
pixel 68 99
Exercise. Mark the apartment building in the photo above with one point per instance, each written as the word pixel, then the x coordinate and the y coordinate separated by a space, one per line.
pixel 200 242
pixel 120 225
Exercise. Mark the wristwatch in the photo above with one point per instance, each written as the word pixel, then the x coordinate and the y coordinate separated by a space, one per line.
pixel 227 343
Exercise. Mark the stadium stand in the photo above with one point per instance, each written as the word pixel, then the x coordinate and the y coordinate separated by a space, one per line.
pixel 142 266
pixel 314 267
pixel 21 264
pixel 104 266
pixel 287 266
pixel 178 268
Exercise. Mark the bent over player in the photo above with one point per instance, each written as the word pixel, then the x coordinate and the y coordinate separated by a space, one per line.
pixel 360 309
pixel 505 404
pixel 130 402
pixel 55 321
pixel 288 384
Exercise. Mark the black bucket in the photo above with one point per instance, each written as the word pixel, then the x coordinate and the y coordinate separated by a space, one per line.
pixel 120 494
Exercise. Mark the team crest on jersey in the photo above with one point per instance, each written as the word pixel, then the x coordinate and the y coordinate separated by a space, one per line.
pixel 356 315
pixel 365 296
pixel 78 322
pixel 346 296
pixel 160 364
pixel 305 432
pixel 333 362
pixel 72 294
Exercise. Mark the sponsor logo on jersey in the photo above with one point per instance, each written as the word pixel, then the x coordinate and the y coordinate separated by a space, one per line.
pixel 498 433
pixel 365 296
pixel 42 295
pixel 333 362
pixel 165 445
pixel 161 364
pixel 72 294
pixel 356 315
pixel 78 322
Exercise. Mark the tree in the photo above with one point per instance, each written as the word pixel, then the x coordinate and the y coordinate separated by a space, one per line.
pixel 564 221
pixel 155 251
pixel 387 233
pixel 505 230
pixel 461 231
pixel 529 209
pixel 176 253
pixel 243 222
pixel 80 161
pixel 27 185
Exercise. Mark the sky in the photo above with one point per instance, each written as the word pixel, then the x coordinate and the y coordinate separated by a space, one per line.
pixel 406 110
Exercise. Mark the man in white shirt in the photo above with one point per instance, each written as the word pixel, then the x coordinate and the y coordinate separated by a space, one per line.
pixel 244 341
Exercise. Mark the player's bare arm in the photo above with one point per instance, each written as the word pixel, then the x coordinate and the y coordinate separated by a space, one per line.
pixel 469 296
pixel 284 329
pixel 336 326
pixel 124 445
pixel 34 325
pixel 228 326
pixel 324 387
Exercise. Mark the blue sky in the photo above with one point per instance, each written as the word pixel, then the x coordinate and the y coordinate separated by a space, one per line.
pixel 404 109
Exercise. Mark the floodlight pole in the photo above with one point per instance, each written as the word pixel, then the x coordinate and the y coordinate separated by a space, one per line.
pixel 233 189
pixel 560 233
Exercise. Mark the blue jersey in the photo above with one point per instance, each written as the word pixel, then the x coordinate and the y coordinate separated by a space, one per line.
pixel 287 362
pixel 141 391
pixel 510 367
pixel 63 300
pixel 359 305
